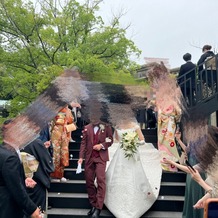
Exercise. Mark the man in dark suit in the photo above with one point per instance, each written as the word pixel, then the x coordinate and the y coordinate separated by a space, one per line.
pixel 97 137
pixel 208 76
pixel 14 200
pixel 187 78
pixel 42 176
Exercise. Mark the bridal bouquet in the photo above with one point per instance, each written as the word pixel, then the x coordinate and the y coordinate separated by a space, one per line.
pixel 129 143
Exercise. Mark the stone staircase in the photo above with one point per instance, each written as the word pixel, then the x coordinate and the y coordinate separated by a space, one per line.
pixel 70 199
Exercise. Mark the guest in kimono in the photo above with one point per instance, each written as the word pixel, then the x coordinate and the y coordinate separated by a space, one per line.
pixel 60 138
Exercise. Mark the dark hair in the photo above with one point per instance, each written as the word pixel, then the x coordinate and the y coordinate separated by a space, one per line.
pixel 6 122
pixel 2 128
pixel 70 107
pixel 206 47
pixel 187 57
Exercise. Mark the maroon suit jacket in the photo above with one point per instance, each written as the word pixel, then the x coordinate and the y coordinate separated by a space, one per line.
pixel 87 143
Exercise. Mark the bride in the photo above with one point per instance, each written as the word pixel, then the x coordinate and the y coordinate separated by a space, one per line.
pixel 133 183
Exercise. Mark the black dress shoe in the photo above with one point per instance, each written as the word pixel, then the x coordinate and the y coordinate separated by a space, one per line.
pixel 96 213
pixel 91 211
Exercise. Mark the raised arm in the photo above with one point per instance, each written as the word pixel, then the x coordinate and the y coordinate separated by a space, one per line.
pixel 179 166
pixel 178 139
pixel 140 134
pixel 197 177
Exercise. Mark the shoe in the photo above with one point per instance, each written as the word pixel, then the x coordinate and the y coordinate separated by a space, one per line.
pixel 63 179
pixel 92 210
pixel 96 213
pixel 71 140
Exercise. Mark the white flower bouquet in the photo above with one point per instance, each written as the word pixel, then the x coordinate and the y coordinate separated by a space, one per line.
pixel 129 143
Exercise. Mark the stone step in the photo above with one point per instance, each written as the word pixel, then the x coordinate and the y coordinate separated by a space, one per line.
pixel 80 200
pixel 71 186
pixel 85 195
pixel 179 176
pixel 70 173
pixel 74 145
pixel 72 162
pixel 172 188
pixel 82 213
pixel 74 152
pixel 79 186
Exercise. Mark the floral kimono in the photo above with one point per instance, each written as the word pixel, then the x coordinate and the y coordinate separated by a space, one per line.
pixel 60 139
pixel 167 120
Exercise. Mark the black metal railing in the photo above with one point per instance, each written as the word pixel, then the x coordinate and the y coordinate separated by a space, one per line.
pixel 203 85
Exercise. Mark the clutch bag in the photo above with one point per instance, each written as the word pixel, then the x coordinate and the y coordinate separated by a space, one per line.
pixel 30 164
pixel 71 127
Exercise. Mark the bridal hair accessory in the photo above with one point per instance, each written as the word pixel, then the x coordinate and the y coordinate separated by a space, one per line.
pixel 129 143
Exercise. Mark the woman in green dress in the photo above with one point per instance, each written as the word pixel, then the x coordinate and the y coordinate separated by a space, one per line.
pixel 193 191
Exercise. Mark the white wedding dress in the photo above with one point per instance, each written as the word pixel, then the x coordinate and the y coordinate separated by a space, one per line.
pixel 132 185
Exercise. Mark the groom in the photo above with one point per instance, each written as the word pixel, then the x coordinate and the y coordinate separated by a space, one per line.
pixel 97 137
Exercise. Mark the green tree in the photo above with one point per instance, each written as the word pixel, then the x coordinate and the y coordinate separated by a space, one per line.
pixel 38 40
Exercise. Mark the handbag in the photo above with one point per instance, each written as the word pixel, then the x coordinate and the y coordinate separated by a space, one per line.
pixel 71 127
pixel 30 164
pixel 210 63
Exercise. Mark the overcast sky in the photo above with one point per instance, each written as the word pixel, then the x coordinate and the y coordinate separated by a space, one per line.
pixel 167 28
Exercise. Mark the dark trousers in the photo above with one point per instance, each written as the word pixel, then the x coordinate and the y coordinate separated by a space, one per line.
pixel 38 195
pixel 95 169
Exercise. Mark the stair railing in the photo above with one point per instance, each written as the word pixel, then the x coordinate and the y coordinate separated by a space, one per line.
pixel 205 84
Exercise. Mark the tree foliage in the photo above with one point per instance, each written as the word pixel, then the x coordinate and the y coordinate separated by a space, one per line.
pixel 38 40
